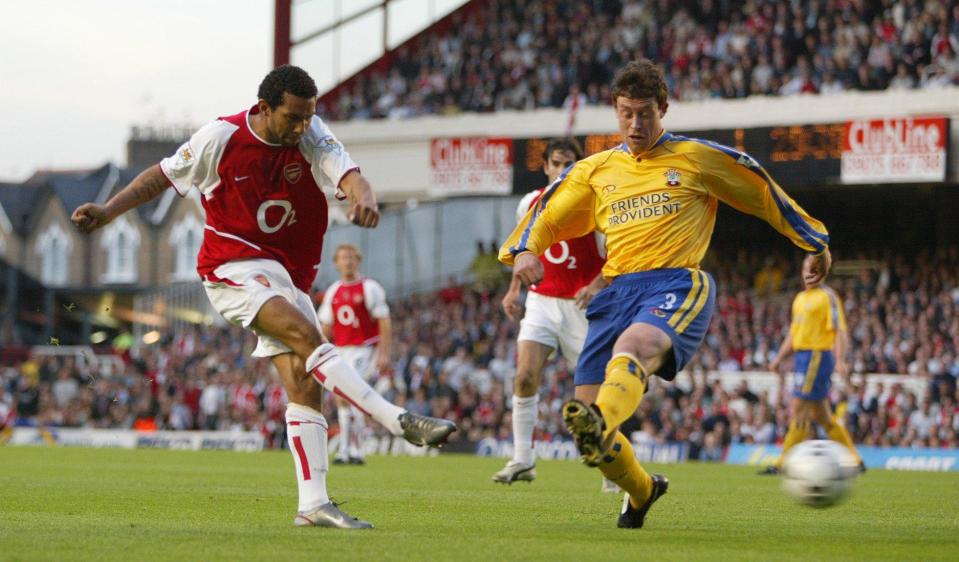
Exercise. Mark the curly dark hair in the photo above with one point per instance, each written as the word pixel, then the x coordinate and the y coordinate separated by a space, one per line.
pixel 640 79
pixel 563 143
pixel 288 79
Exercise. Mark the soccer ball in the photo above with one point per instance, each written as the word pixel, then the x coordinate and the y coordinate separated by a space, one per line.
pixel 818 473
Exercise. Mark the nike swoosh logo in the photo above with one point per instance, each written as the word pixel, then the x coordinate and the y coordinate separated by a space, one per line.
pixel 240 178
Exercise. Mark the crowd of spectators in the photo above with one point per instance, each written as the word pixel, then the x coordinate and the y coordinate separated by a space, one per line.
pixel 454 357
pixel 200 379
pixel 518 54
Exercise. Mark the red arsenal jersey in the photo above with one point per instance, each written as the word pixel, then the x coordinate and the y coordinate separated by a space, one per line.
pixel 262 200
pixel 353 309
pixel 568 265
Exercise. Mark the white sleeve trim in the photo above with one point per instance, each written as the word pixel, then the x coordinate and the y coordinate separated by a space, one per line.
pixel 325 312
pixel 375 297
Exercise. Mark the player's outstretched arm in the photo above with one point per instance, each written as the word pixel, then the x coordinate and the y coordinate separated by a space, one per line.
pixel 146 186
pixel 739 181
pixel 363 208
pixel 568 214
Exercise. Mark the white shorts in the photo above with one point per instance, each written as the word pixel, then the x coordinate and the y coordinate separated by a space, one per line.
pixel 554 322
pixel 246 286
pixel 360 357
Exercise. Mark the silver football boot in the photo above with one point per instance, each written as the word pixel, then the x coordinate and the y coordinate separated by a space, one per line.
pixel 515 472
pixel 329 515
pixel 424 430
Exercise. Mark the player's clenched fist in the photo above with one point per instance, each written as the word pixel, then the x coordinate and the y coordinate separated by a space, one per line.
pixel 89 217
pixel 816 267
pixel 363 208
pixel 528 268
pixel 363 214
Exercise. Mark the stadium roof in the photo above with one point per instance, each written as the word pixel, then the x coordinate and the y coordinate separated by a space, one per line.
pixel 41 176
pixel 75 191
pixel 19 202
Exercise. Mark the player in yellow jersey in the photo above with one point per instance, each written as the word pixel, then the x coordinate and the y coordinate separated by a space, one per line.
pixel 818 341
pixel 655 199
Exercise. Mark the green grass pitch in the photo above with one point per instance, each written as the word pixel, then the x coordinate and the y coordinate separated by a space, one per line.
pixel 88 504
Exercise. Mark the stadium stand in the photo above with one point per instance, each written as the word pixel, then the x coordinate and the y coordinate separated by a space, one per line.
pixel 510 54
pixel 454 353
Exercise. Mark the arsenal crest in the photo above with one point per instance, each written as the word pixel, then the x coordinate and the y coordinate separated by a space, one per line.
pixel 673 177
pixel 292 172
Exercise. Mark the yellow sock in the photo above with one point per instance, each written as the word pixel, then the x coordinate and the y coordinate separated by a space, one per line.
pixel 621 392
pixel 839 434
pixel 797 434
pixel 619 464
pixel 841 412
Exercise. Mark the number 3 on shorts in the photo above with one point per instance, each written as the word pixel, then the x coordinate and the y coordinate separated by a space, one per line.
pixel 670 301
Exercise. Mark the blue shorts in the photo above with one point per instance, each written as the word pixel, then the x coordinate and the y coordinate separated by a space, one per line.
pixel 812 374
pixel 679 302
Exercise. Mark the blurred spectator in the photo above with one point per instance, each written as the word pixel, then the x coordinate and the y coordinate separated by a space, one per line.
pixel 488 273
pixel 769 279
pixel 513 54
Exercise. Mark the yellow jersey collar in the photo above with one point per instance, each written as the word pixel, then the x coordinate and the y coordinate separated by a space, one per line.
pixel 663 137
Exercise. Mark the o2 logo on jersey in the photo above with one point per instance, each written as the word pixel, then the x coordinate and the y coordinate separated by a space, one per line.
pixel 346 316
pixel 562 257
pixel 287 219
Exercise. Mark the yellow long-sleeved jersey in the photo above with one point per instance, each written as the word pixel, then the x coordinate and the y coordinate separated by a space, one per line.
pixel 658 210
pixel 817 318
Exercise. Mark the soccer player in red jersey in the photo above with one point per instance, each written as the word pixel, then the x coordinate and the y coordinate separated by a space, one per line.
pixel 555 315
pixel 355 316
pixel 262 175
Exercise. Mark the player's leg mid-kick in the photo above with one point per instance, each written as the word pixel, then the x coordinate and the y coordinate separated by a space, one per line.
pixel 280 319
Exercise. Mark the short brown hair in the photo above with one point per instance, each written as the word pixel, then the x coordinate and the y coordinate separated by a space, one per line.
pixel 354 249
pixel 638 80
pixel 568 144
